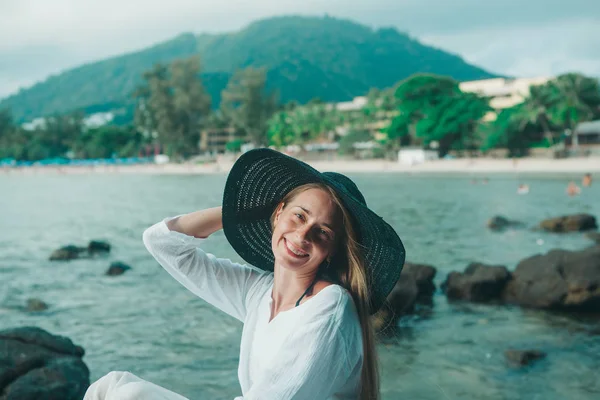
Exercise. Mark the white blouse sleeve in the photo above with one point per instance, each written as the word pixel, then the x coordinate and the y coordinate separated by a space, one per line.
pixel 221 282
pixel 317 361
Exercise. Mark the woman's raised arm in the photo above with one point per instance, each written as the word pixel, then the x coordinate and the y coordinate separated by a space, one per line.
pixel 200 224
pixel 176 244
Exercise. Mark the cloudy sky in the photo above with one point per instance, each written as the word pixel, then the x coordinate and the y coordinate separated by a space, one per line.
pixel 39 38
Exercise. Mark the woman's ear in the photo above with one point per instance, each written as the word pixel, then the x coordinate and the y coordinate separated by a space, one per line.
pixel 278 212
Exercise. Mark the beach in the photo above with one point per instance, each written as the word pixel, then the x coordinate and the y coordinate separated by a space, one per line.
pixel 462 165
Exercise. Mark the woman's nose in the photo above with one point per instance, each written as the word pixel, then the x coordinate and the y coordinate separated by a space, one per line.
pixel 302 233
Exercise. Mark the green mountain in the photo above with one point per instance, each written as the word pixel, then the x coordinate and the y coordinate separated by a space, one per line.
pixel 306 57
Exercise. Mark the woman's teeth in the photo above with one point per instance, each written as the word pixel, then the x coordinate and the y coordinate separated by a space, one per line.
pixel 296 252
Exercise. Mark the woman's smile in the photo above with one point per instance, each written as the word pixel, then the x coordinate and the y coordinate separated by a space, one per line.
pixel 294 250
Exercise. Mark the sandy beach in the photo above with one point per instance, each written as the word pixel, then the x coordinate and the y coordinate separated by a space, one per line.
pixel 470 166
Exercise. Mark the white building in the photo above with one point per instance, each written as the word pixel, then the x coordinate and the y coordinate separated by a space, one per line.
pixel 586 135
pixel 91 121
pixel 503 92
pixel 356 104
pixel 34 124
pixel 416 155
pixel 98 119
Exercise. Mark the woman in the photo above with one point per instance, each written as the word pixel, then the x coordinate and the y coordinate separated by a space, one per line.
pixel 320 263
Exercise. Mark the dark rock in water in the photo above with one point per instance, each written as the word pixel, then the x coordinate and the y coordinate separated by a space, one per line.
pixel 35 364
pixel 499 223
pixel 423 275
pixel 522 358
pixel 595 236
pixel 479 283
pixel 66 253
pixel 560 279
pixel 34 305
pixel 72 252
pixel 570 223
pixel 414 286
pixel 96 246
pixel 117 268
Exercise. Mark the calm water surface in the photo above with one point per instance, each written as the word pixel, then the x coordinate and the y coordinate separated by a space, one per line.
pixel 145 322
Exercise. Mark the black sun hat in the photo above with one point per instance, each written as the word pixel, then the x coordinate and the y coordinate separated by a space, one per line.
pixel 257 183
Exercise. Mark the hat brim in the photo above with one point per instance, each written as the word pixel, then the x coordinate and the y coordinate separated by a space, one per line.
pixel 257 183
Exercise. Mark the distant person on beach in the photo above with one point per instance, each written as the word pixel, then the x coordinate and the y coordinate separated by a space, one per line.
pixel 573 189
pixel 320 263
pixel 587 180
pixel 523 189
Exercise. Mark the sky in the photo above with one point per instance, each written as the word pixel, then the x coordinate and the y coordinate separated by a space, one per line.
pixel 39 38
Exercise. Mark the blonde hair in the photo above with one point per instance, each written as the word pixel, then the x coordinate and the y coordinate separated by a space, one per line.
pixel 350 272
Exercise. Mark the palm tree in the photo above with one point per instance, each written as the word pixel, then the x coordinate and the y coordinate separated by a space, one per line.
pixel 534 111
pixel 575 98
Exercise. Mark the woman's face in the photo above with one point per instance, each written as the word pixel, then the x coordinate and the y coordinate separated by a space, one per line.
pixel 304 231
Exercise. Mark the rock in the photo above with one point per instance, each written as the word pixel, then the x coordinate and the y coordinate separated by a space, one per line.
pixel 522 358
pixel 34 305
pixel 66 253
pixel 96 246
pixel 499 223
pixel 72 252
pixel 423 275
pixel 414 286
pixel 570 223
pixel 595 236
pixel 35 364
pixel 479 283
pixel 560 280
pixel 117 268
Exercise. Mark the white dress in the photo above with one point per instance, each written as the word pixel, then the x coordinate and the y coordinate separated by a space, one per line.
pixel 312 352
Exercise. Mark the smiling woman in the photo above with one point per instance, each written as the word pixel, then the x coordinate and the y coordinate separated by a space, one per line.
pixel 303 241
pixel 320 263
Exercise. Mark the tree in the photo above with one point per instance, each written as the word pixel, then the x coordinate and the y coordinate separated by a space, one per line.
pixel 281 130
pixel 354 136
pixel 246 103
pixel 173 106
pixel 573 98
pixel 191 104
pixel 436 110
pixel 7 133
pixel 534 112
pixel 556 107
pixel 155 112
pixel 109 141
pixel 507 131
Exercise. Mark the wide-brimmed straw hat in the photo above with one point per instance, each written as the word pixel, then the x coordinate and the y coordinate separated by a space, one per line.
pixel 257 183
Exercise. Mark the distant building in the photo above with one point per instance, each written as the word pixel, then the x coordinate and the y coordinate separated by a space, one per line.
pixel 416 155
pixel 356 104
pixel 91 121
pixel 503 92
pixel 586 138
pixel 215 140
pixel 98 119
pixel 34 124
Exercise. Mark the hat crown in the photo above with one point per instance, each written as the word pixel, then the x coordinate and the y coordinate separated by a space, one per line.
pixel 344 183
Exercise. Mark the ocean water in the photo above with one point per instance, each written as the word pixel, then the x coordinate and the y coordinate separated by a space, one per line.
pixel 146 323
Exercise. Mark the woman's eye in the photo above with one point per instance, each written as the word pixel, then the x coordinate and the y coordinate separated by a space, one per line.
pixel 299 216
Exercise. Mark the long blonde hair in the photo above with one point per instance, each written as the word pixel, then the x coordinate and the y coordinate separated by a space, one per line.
pixel 350 272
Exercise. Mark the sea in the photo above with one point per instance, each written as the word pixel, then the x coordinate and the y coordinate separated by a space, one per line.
pixel 145 322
